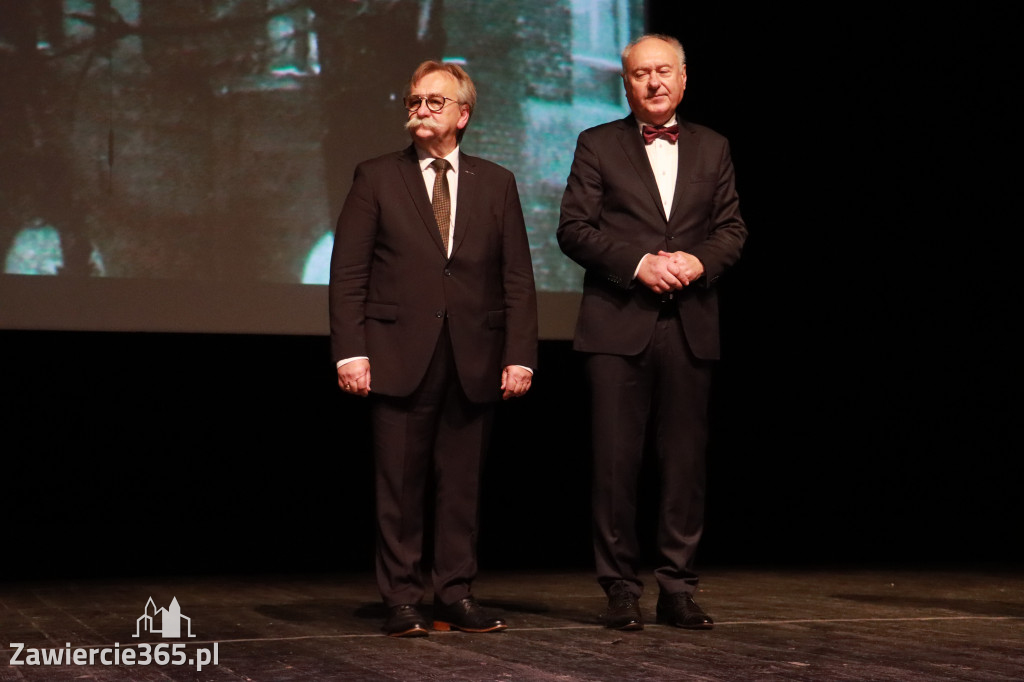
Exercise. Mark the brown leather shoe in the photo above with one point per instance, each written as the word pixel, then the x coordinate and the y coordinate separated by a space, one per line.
pixel 623 611
pixel 681 611
pixel 405 620
pixel 465 615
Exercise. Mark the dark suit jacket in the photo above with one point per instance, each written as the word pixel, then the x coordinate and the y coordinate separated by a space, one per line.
pixel 612 215
pixel 392 284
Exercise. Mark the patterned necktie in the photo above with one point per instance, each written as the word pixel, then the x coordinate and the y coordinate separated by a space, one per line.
pixel 651 133
pixel 442 200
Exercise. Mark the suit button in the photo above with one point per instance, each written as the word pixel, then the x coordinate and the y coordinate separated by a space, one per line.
pixel 439 314
pixel 447 273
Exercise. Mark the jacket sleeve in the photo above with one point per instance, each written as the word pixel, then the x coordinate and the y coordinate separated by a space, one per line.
pixel 579 226
pixel 727 232
pixel 520 296
pixel 354 239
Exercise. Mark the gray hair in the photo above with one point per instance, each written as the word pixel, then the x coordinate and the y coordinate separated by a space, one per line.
pixel 466 89
pixel 676 46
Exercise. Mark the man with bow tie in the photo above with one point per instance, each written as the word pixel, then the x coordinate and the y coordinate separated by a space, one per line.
pixel 651 212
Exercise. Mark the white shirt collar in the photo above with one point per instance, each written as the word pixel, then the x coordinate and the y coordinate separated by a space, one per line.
pixel 426 159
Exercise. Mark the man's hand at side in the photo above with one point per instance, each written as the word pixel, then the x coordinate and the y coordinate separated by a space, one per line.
pixel 515 381
pixel 354 377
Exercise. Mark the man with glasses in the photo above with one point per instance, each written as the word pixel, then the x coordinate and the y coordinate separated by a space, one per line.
pixel 432 291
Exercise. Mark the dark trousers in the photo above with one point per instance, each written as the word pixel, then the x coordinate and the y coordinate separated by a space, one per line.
pixel 665 389
pixel 438 435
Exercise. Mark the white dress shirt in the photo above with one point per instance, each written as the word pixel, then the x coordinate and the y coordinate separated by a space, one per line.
pixel 453 184
pixel 664 158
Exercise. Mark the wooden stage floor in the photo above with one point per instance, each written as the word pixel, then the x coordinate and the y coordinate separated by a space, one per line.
pixel 823 624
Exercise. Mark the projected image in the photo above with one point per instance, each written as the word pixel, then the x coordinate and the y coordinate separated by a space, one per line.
pixel 214 140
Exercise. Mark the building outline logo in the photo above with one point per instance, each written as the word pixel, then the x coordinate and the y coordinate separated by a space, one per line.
pixel 170 620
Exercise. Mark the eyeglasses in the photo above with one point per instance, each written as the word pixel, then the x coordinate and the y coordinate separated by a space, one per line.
pixel 434 102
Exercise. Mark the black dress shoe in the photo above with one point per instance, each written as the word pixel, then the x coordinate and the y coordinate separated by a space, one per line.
pixel 405 620
pixel 681 611
pixel 623 611
pixel 465 615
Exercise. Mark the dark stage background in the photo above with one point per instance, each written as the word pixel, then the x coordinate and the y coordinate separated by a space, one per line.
pixel 867 409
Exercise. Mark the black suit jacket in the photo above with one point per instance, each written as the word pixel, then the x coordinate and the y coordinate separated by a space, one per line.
pixel 392 285
pixel 612 215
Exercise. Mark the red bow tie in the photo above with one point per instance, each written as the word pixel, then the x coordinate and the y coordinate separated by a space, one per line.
pixel 651 133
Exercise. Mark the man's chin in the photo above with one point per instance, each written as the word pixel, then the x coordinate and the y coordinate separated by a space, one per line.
pixel 657 116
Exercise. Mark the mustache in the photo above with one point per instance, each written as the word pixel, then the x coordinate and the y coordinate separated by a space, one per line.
pixel 416 122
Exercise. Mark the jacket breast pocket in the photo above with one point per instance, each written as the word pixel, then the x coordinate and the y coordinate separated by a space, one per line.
pixel 701 188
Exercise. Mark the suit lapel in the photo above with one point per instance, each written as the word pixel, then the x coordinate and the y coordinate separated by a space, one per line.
pixel 466 200
pixel 633 146
pixel 409 168
pixel 687 148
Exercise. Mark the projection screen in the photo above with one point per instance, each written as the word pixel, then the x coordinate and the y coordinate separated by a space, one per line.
pixel 178 165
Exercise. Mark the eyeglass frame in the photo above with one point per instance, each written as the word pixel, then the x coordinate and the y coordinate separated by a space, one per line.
pixel 420 99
